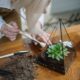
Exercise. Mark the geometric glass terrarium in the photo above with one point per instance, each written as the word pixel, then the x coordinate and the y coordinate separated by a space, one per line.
pixel 61 53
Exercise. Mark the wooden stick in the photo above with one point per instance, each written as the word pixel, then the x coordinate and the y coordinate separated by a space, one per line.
pixel 29 36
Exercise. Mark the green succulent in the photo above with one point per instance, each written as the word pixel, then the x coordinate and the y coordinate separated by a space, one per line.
pixel 57 51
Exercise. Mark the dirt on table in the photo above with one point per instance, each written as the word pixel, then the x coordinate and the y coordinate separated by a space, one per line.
pixel 21 68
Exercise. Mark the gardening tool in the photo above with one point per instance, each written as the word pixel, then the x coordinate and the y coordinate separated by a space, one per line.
pixel 30 37
pixel 14 54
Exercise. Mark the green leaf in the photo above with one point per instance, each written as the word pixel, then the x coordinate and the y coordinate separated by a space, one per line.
pixel 49 55
pixel 52 56
pixel 58 58
pixel 55 51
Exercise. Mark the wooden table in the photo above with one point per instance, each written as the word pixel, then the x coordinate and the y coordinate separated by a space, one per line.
pixel 42 72
pixel 7 47
pixel 74 70
pixel 72 74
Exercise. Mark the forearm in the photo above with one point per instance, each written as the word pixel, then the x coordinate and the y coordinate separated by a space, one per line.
pixel 36 29
pixel 41 34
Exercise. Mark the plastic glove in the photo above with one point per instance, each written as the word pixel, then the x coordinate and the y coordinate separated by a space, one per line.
pixel 10 32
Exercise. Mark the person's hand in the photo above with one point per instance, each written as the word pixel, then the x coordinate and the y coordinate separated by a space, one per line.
pixel 10 30
pixel 45 37
pixel 42 37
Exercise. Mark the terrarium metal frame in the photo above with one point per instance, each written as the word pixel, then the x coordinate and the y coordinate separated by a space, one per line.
pixel 61 65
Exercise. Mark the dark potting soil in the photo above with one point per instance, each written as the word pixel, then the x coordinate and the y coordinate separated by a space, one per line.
pixel 20 69
pixel 61 66
pixel 55 65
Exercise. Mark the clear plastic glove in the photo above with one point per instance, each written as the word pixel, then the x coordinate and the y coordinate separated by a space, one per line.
pixel 42 37
pixel 10 32
pixel 38 33
pixel 45 37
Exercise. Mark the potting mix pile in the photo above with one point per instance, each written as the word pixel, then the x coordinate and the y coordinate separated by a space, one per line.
pixel 20 69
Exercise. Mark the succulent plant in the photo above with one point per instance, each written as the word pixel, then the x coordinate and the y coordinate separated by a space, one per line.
pixel 57 51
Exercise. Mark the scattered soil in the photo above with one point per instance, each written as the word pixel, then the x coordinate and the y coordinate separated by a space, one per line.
pixel 21 69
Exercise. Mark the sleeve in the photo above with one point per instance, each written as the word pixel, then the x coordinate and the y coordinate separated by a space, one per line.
pixel 41 19
pixel 1 23
pixel 38 26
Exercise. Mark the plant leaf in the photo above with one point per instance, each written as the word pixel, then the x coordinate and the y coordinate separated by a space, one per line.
pixel 55 51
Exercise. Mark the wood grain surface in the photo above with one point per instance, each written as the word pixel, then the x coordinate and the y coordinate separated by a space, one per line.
pixel 43 73
pixel 6 46
pixel 74 70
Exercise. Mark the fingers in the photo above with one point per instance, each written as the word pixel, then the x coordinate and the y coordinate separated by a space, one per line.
pixel 12 38
pixel 45 37
pixel 14 24
pixel 10 31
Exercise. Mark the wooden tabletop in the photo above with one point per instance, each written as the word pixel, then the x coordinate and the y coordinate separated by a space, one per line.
pixel 74 70
pixel 43 73
pixel 72 74
pixel 8 47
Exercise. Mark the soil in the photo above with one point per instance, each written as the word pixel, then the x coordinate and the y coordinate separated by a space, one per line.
pixel 21 69
pixel 61 66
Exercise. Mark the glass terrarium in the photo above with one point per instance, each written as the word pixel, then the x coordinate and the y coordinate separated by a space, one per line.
pixel 61 53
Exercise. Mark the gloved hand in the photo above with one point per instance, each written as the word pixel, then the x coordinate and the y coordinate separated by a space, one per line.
pixel 10 32
pixel 38 33
pixel 44 36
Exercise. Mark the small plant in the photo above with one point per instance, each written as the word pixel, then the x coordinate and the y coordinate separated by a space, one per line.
pixel 57 51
